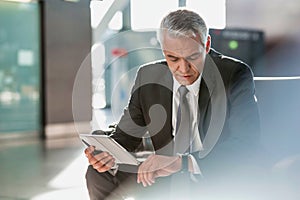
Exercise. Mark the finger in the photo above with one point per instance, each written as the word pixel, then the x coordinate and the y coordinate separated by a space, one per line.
pixel 104 159
pixel 149 171
pixel 148 177
pixel 110 163
pixel 144 175
pixel 94 159
pixel 140 172
pixel 88 151
pixel 142 180
pixel 91 159
pixel 101 167
pixel 107 160
pixel 102 155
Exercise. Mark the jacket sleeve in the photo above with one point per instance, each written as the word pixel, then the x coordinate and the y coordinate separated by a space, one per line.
pixel 131 127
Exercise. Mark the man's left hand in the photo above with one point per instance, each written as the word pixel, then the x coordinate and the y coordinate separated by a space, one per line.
pixel 157 166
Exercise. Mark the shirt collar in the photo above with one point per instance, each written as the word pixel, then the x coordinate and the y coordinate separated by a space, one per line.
pixel 194 88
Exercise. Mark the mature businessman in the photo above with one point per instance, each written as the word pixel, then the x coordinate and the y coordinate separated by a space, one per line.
pixel 198 107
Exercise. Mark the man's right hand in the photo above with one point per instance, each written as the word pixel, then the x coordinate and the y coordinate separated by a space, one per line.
pixel 101 162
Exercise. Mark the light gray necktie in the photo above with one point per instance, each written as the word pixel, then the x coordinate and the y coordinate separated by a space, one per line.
pixel 183 124
pixel 180 184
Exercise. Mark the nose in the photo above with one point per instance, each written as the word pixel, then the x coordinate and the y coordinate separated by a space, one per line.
pixel 184 65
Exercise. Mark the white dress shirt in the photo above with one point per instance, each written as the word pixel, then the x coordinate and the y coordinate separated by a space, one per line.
pixel 192 97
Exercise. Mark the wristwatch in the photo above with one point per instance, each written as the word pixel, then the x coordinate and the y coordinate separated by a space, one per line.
pixel 184 163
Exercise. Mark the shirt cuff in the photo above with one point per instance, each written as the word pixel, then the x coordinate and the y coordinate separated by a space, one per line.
pixel 185 164
pixel 196 168
pixel 113 171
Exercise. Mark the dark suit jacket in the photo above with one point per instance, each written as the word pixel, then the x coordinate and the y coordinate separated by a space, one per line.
pixel 228 121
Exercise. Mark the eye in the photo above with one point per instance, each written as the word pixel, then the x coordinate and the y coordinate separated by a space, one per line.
pixel 173 58
pixel 193 57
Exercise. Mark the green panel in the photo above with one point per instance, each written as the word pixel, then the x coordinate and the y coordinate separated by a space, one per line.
pixel 19 67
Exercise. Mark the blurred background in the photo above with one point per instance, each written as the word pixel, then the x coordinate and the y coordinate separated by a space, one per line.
pixel 67 66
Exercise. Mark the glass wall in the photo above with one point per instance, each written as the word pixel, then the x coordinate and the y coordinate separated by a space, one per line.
pixel 19 67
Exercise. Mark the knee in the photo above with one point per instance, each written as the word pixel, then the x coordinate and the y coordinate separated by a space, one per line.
pixel 90 173
pixel 94 183
pixel 94 178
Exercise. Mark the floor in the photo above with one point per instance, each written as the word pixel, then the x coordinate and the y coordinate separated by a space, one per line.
pixel 32 169
pixel 39 170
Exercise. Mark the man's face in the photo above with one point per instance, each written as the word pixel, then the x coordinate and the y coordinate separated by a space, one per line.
pixel 185 57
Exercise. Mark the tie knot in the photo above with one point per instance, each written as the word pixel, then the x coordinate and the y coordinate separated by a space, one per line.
pixel 183 90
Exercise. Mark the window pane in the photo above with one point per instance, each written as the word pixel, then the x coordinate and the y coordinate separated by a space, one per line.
pixel 212 11
pixel 148 14
pixel 19 67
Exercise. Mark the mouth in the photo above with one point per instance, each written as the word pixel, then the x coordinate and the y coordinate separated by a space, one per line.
pixel 185 79
pixel 185 76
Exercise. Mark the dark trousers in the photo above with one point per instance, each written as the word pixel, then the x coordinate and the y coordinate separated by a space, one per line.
pixel 225 185
pixel 123 185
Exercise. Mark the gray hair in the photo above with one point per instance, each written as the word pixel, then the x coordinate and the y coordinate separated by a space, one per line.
pixel 183 23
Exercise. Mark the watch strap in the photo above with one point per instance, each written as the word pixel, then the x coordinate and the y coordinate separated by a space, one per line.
pixel 184 163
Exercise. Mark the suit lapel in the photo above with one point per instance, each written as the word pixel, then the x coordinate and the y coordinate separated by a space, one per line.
pixel 207 88
pixel 213 110
pixel 167 100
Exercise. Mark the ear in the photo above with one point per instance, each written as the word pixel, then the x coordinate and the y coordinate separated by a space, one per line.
pixel 207 45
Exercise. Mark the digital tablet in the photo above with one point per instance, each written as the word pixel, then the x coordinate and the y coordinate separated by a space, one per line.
pixel 108 144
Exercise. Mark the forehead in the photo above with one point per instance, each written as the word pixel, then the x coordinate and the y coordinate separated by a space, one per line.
pixel 183 46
